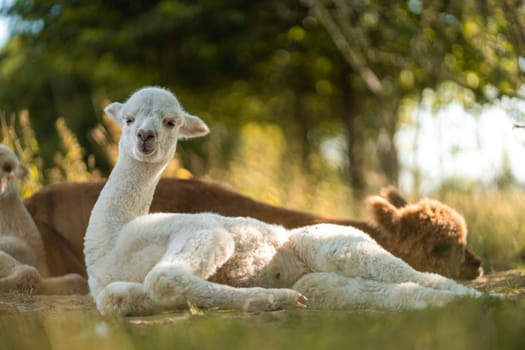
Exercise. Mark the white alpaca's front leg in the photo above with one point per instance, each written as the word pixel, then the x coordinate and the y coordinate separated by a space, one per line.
pixel 352 253
pixel 329 290
pixel 180 277
pixel 174 287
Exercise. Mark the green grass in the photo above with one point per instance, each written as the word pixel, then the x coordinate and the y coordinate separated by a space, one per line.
pixel 466 324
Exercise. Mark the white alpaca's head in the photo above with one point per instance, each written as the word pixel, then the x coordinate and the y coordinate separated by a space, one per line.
pixel 152 121
pixel 11 170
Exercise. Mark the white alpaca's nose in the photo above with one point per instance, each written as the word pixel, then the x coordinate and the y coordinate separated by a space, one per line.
pixel 146 140
pixel 146 135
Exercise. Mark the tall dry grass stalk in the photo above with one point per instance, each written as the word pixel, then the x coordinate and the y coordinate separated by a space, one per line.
pixel 69 163
pixel 496 225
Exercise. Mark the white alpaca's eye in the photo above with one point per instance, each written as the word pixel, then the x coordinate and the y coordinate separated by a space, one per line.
pixel 169 123
pixel 129 120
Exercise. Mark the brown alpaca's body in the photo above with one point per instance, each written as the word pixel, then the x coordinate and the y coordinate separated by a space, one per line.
pixel 62 211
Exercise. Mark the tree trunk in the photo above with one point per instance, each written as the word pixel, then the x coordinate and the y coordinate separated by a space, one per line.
pixel 387 150
pixel 302 121
pixel 352 122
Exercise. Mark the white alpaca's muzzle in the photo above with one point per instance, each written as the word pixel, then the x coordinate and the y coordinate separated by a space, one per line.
pixel 146 142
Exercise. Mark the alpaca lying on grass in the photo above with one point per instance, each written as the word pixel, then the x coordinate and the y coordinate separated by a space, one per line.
pixel 138 263
pixel 22 256
pixel 432 239
pixel 429 235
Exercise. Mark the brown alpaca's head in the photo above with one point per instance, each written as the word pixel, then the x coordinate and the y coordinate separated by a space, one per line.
pixel 428 234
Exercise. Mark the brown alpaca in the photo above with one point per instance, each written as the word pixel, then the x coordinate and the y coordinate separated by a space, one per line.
pixel 429 235
pixel 61 212
pixel 23 265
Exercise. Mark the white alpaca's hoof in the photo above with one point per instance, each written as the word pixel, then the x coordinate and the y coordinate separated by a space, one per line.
pixel 120 298
pixel 275 299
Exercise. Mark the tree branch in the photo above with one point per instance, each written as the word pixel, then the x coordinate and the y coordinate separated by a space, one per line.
pixel 352 57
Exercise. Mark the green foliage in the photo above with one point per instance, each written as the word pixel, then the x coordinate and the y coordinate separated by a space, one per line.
pixel 406 48
pixel 309 67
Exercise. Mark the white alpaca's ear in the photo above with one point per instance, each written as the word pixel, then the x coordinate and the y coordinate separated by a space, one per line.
pixel 193 127
pixel 21 171
pixel 113 110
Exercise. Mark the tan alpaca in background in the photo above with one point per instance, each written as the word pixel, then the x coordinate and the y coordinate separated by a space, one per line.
pixel 23 266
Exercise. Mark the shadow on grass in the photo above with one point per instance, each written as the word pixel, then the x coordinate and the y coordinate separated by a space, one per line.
pixel 486 323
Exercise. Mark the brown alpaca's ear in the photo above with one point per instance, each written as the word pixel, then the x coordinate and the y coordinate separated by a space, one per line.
pixel 384 214
pixel 393 196
pixel 22 171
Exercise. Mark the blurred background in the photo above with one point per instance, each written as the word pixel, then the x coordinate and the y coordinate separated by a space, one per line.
pixel 312 104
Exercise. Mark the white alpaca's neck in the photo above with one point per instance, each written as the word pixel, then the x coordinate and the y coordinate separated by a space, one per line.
pixel 127 194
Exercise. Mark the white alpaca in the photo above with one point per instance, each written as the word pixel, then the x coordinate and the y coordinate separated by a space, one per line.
pixel 139 263
pixel 23 265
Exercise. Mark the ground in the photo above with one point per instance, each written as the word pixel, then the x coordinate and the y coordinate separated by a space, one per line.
pixel 510 282
pixel 72 322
